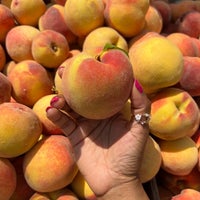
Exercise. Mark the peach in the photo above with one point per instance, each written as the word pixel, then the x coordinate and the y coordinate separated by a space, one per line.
pixel 18 42
pixel 20 129
pixel 5 88
pixel 149 169
pixel 83 16
pixel 8 67
pixel 7 22
pixel 2 57
pixel 181 7
pixel 40 109
pixel 196 137
pixel 96 40
pixel 127 17
pixel 62 194
pixel 54 19
pixel 153 20
pixel 39 196
pixel 196 43
pixel 189 23
pixel 183 42
pixel 187 194
pixel 57 78
pixel 8 179
pixel 28 12
pixel 30 81
pixel 50 48
pixel 22 190
pixel 47 175
pixel 164 8
pixel 159 59
pixel 175 183
pixel 81 188
pixel 98 88
pixel 190 79
pixel 174 114
pixel 179 156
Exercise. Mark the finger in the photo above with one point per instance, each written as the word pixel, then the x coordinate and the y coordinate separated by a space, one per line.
pixel 61 119
pixel 140 104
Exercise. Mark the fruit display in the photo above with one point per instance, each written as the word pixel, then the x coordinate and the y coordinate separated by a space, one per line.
pixel 102 46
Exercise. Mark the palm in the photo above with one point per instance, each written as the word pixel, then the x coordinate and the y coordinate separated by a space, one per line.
pixel 105 151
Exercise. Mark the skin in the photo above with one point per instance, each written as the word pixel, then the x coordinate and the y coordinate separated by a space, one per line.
pixel 109 150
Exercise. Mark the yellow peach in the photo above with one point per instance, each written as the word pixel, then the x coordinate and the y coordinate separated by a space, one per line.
pixel 54 19
pixel 20 129
pixel 50 164
pixel 157 62
pixel 179 156
pixel 95 41
pixel 149 169
pixel 83 16
pixel 174 114
pixel 18 42
pixel 28 12
pixel 81 188
pixel 127 17
pixel 153 20
pixel 30 81
pixel 40 110
pixel 50 48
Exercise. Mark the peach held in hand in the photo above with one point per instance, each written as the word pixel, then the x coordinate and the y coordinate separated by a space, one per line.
pixel 98 88
pixel 174 114
pixel 20 128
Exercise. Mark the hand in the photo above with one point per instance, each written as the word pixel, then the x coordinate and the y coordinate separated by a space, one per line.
pixel 108 152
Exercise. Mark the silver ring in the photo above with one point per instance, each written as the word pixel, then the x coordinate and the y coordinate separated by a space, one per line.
pixel 142 118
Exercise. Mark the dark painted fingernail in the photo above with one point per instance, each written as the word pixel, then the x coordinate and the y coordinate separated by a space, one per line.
pixel 54 100
pixel 138 86
pixel 48 108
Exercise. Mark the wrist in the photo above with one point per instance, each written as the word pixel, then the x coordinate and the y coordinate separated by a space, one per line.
pixel 132 190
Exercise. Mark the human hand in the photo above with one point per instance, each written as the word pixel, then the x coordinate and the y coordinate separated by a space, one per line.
pixel 108 152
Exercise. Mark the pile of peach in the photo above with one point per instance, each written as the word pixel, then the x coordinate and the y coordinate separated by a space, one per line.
pixel 162 44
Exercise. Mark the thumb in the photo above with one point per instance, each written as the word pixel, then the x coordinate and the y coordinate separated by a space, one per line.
pixel 140 104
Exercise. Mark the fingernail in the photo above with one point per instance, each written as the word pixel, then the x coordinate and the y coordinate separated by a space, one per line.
pixel 48 108
pixel 54 100
pixel 138 86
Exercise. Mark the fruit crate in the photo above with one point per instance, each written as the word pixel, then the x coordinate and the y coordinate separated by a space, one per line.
pixel 151 189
